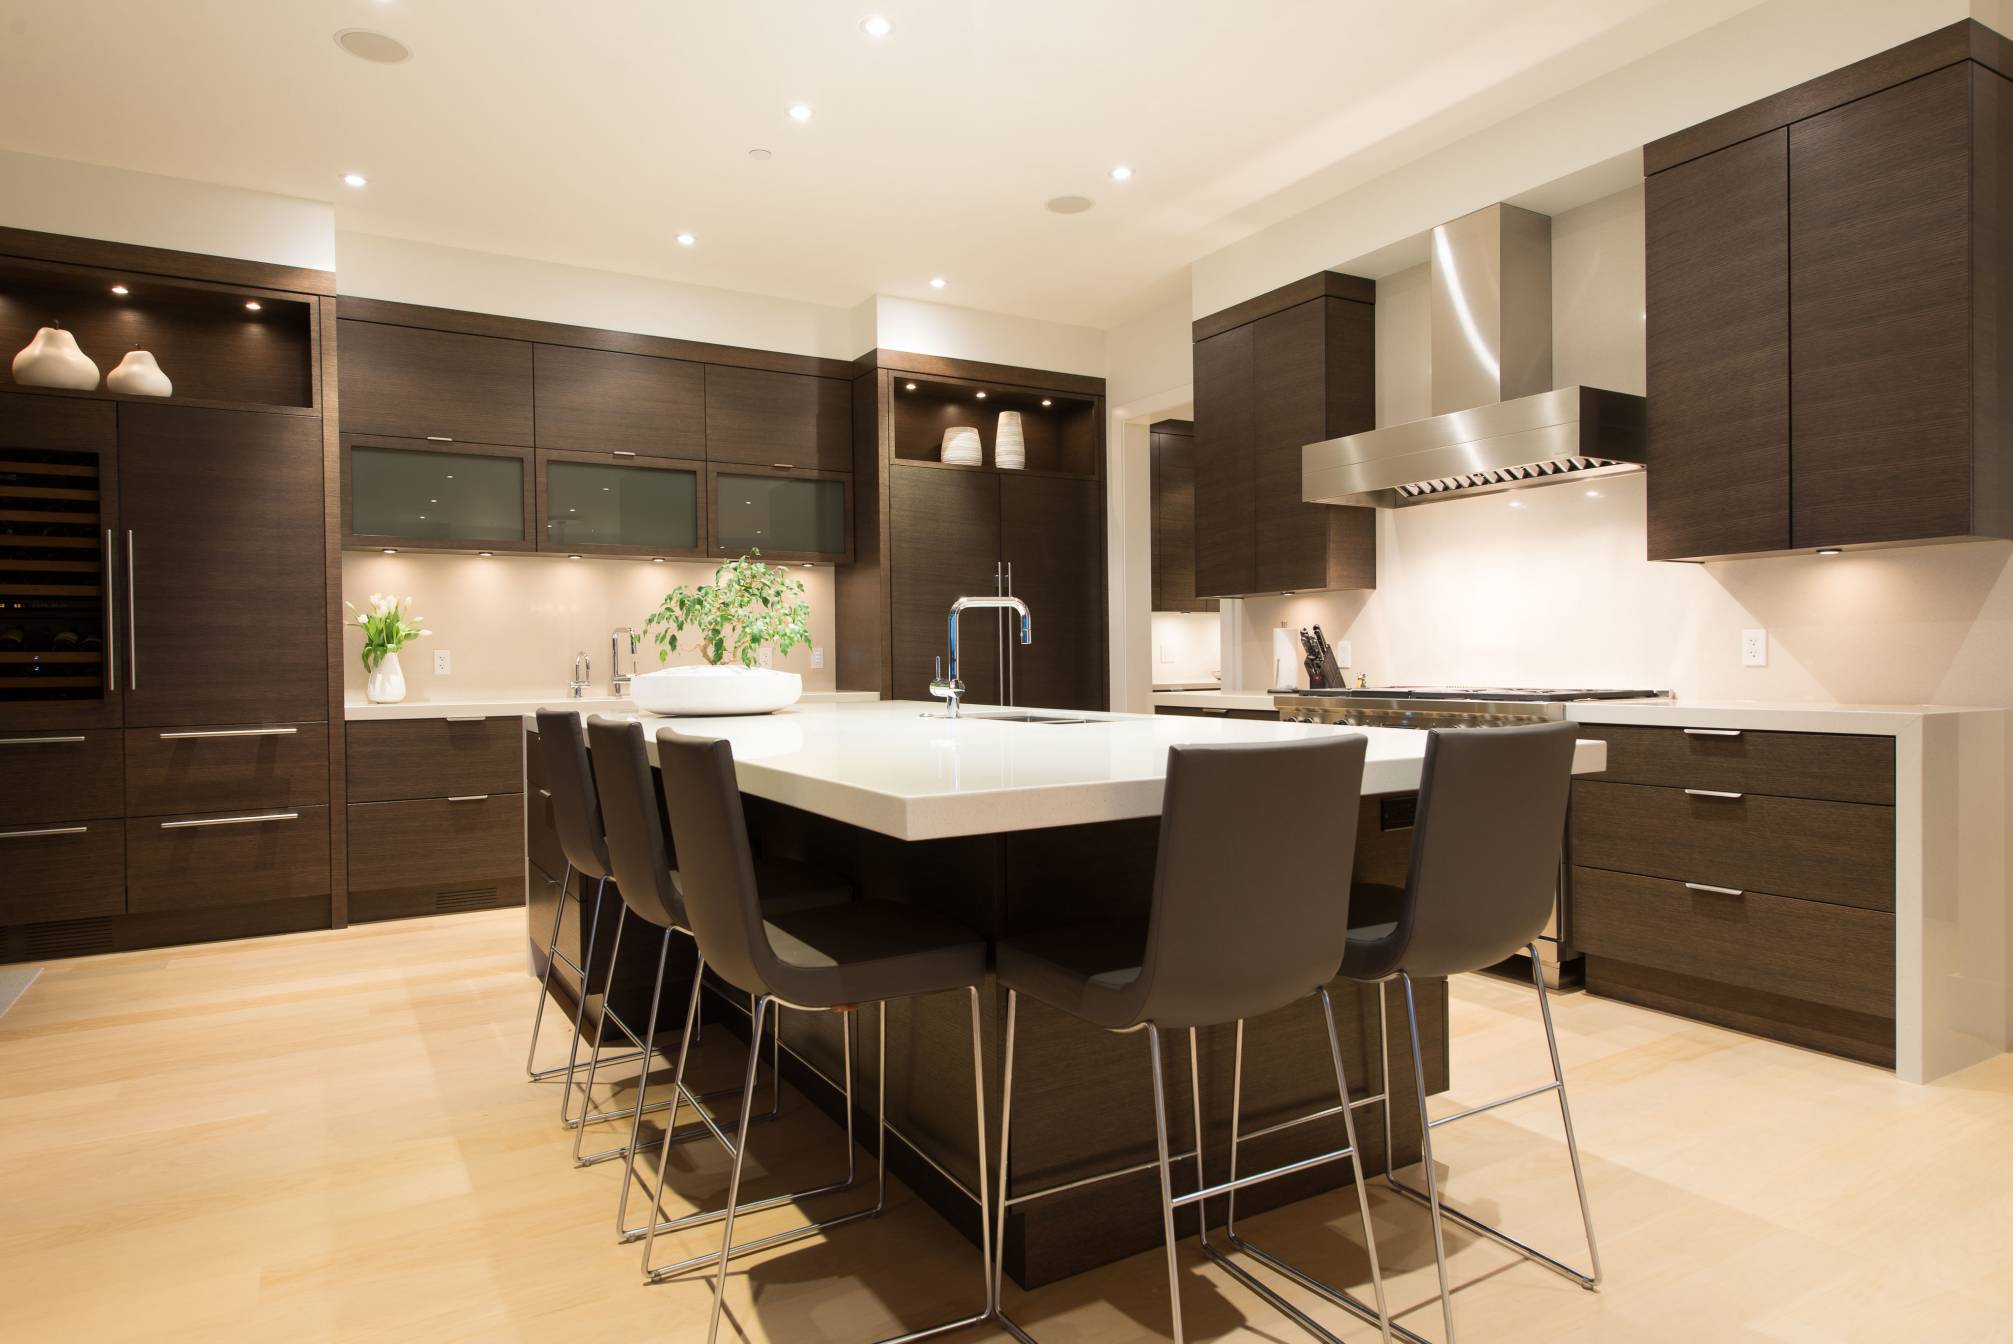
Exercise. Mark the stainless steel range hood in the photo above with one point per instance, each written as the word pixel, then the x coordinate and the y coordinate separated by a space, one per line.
pixel 1497 423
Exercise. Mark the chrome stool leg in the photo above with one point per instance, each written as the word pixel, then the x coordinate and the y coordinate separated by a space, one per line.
pixel 1426 1156
pixel 1166 1178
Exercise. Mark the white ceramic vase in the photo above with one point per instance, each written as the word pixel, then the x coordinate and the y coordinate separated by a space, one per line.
pixel 385 685
pixel 705 691
pixel 1010 444
pixel 139 375
pixel 961 447
pixel 52 359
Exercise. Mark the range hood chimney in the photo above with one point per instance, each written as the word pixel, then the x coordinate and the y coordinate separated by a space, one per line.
pixel 1497 422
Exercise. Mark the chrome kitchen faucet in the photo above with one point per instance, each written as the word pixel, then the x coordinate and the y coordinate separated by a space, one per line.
pixel 950 689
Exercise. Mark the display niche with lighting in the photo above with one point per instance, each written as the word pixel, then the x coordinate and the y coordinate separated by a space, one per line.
pixel 1059 429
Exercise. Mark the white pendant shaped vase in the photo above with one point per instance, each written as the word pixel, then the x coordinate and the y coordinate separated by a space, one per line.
pixel 385 684
pixel 52 359
pixel 139 375
pixel 1009 443
pixel 961 447
pixel 707 691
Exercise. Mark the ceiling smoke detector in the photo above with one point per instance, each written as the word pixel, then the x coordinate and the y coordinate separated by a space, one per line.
pixel 366 45
pixel 1070 205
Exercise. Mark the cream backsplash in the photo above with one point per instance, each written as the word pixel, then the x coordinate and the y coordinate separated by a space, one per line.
pixel 513 623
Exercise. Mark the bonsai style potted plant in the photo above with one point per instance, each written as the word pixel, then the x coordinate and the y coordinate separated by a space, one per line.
pixel 387 627
pixel 748 605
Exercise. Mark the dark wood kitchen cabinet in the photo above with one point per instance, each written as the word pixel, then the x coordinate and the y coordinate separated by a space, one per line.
pixel 436 817
pixel 758 417
pixel 1173 491
pixel 225 593
pixel 1828 310
pixel 419 383
pixel 1052 546
pixel 945 527
pixel 606 401
pixel 1286 369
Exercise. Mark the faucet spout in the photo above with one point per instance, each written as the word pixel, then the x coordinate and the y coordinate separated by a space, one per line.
pixel 950 689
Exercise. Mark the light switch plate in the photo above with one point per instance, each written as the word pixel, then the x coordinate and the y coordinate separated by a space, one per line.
pixel 767 657
pixel 1166 653
pixel 817 657
pixel 443 663
pixel 1754 648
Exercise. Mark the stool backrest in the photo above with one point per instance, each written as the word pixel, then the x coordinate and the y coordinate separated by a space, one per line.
pixel 716 866
pixel 1251 893
pixel 576 809
pixel 637 855
pixel 1489 833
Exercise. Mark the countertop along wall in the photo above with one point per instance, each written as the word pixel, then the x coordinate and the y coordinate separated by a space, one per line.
pixel 513 623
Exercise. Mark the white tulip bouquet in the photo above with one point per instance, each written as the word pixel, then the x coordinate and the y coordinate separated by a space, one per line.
pixel 387 626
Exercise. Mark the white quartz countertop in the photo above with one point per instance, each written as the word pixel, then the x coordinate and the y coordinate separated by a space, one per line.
pixel 889 767
pixel 1215 699
pixel 356 711
pixel 1765 715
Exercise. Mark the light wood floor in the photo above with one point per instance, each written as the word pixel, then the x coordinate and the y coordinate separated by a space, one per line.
pixel 328 1136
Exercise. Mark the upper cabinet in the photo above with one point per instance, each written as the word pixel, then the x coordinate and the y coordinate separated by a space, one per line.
pixel 1825 307
pixel 604 401
pixel 1281 371
pixel 426 384
pixel 1173 477
pixel 769 419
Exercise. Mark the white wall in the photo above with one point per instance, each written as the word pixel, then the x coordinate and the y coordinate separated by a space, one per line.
pixel 513 623
pixel 85 200
pixel 1187 647
pixel 994 338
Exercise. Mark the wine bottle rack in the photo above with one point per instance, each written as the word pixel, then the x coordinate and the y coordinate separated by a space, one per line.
pixel 52 576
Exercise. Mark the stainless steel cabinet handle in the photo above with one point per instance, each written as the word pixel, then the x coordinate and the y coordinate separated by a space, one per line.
pixel 1713 793
pixel 1716 891
pixel 229 821
pixel 231 732
pixel 1712 732
pixel 440 438
pixel 622 452
pixel 111 622
pixel 545 793
pixel 37 741
pixel 132 620
pixel 782 466
pixel 467 797
pixel 464 718
pixel 46 830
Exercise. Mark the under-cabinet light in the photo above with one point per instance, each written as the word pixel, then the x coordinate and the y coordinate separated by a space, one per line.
pixel 120 289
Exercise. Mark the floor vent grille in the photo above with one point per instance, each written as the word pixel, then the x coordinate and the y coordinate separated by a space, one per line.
pixel 478 898
pixel 62 938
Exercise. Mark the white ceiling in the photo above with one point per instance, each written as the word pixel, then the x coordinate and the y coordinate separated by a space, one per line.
pixel 593 132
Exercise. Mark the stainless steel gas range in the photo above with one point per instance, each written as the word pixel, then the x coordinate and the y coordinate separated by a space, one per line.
pixel 1461 707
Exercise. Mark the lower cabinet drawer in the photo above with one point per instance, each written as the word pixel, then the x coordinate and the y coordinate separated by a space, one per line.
pixel 172 771
pixel 1845 769
pixel 1824 954
pixel 394 759
pixel 1842 853
pixel 430 855
pixel 234 858
pixel 50 775
pixel 62 870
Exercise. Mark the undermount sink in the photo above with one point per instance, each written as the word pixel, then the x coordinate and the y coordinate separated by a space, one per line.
pixel 1009 716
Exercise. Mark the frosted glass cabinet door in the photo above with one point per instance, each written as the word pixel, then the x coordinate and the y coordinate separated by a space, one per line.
pixel 786 514
pixel 619 504
pixel 473 497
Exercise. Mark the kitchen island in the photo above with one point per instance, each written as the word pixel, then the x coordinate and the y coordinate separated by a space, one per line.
pixel 1012 826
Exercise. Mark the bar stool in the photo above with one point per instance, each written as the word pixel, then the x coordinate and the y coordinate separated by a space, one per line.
pixel 1485 865
pixel 640 864
pixel 825 959
pixel 1220 946
pixel 561 748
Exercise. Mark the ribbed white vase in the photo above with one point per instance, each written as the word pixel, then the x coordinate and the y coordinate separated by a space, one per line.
pixel 1010 444
pixel 961 447
pixel 52 359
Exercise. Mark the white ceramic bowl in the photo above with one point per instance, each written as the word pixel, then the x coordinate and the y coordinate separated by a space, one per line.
pixel 702 691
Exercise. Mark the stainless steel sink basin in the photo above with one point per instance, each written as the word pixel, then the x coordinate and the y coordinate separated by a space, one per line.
pixel 1011 716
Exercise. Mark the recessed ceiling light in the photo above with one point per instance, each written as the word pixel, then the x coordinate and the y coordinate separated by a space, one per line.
pixel 982 396
pixel 1069 205
pixel 1829 550
pixel 355 180
pixel 876 26
pixel 374 47
pixel 1516 503
pixel 686 240
pixel 1046 402
pixel 252 305
pixel 1593 494
pixel 1121 173
pixel 936 282
pixel 910 386
pixel 120 289
pixel 800 111
pixel 758 155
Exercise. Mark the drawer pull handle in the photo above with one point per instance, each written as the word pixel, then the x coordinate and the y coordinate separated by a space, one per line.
pixel 782 466
pixel 229 821
pixel 440 438
pixel 1713 793
pixel 231 732
pixel 45 830
pixel 465 718
pixel 1716 891
pixel 545 793
pixel 1712 732
pixel 623 452
pixel 37 741
pixel 468 798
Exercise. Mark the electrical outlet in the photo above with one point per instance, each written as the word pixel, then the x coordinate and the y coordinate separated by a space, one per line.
pixel 767 657
pixel 1344 655
pixel 817 657
pixel 1166 654
pixel 443 663
pixel 1754 648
